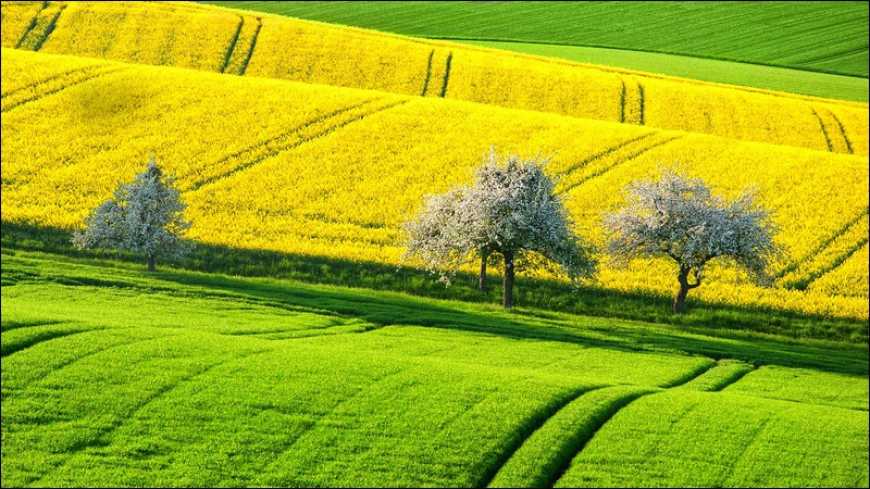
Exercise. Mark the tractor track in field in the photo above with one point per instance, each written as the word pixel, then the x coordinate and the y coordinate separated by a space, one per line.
pixel 619 161
pixel 446 79
pixel 98 73
pixel 120 420
pixel 231 47
pixel 63 365
pixel 291 442
pixel 824 130
pixel 821 247
pixel 838 260
pixel 50 79
pixel 251 46
pixel 285 146
pixel 601 154
pixel 428 74
pixel 842 130
pixel 37 32
pixel 31 25
pixel 833 131
pixel 43 337
pixel 560 455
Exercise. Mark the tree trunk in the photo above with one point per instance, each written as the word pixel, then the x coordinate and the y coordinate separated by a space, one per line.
pixel 482 280
pixel 680 299
pixel 152 263
pixel 685 287
pixel 508 293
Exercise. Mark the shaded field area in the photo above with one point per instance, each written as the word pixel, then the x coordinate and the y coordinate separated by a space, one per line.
pixel 702 317
pixel 822 36
pixel 110 372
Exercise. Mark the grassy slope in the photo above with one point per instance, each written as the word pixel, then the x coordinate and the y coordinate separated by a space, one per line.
pixel 110 373
pixel 712 70
pixel 824 36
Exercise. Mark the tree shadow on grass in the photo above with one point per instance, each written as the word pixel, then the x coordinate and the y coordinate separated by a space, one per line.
pixel 710 330
pixel 389 308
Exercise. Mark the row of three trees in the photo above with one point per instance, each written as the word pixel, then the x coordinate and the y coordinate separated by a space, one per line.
pixel 512 214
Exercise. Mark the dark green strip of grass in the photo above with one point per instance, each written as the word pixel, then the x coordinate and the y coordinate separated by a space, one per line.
pixel 544 294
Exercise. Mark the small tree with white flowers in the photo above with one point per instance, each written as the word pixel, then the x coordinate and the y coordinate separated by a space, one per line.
pixel 144 216
pixel 679 218
pixel 512 211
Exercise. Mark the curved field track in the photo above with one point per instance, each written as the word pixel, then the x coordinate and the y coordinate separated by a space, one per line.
pixel 124 378
pixel 72 137
pixel 223 40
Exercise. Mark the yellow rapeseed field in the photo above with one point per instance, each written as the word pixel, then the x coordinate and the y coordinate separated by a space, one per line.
pixel 317 170
pixel 263 45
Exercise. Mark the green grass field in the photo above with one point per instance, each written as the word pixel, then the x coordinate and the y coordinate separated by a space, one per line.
pixel 112 376
pixel 823 37
pixel 713 70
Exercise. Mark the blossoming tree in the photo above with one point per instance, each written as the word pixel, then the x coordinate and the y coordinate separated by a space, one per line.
pixel 512 211
pixel 144 216
pixel 679 218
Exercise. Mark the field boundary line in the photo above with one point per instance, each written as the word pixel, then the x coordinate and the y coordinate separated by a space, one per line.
pixel 304 139
pixel 41 96
pixel 618 162
pixel 655 76
pixel 251 47
pixel 232 45
pixel 31 25
pixel 428 74
pixel 446 79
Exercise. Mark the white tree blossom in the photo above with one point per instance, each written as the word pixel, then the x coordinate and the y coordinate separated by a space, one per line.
pixel 679 218
pixel 144 216
pixel 511 210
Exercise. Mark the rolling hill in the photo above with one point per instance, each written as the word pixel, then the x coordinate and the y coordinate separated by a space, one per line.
pixel 326 171
pixel 215 39
pixel 799 47
pixel 115 377
pixel 823 36
pixel 295 346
